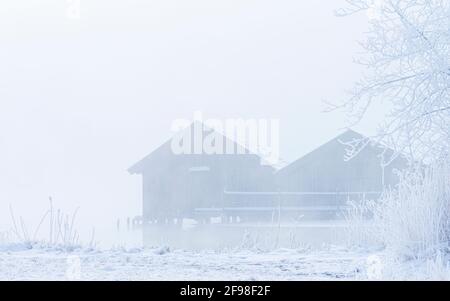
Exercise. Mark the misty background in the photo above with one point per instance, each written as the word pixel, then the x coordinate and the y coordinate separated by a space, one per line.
pixel 81 100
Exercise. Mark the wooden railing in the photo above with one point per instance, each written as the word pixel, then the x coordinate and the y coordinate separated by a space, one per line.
pixel 262 202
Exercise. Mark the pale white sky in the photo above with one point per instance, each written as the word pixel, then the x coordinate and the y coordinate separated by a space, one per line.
pixel 83 99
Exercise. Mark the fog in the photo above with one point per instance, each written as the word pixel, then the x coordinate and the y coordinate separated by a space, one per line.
pixel 82 99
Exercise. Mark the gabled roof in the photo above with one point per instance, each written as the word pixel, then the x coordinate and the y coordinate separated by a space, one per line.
pixel 346 136
pixel 165 149
pixel 138 167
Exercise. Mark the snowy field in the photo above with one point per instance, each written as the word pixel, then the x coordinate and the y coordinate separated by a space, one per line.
pixel 17 262
pixel 252 256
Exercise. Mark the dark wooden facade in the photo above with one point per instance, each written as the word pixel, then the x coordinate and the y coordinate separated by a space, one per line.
pixel 174 185
pixel 237 185
pixel 324 170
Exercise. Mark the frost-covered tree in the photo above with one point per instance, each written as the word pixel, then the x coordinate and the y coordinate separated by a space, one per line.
pixel 407 53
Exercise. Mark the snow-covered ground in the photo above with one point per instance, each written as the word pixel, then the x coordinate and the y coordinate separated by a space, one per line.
pixel 17 262
pixel 22 262
pixel 248 255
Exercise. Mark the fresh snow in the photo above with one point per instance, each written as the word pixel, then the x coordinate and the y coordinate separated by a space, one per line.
pixel 21 262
